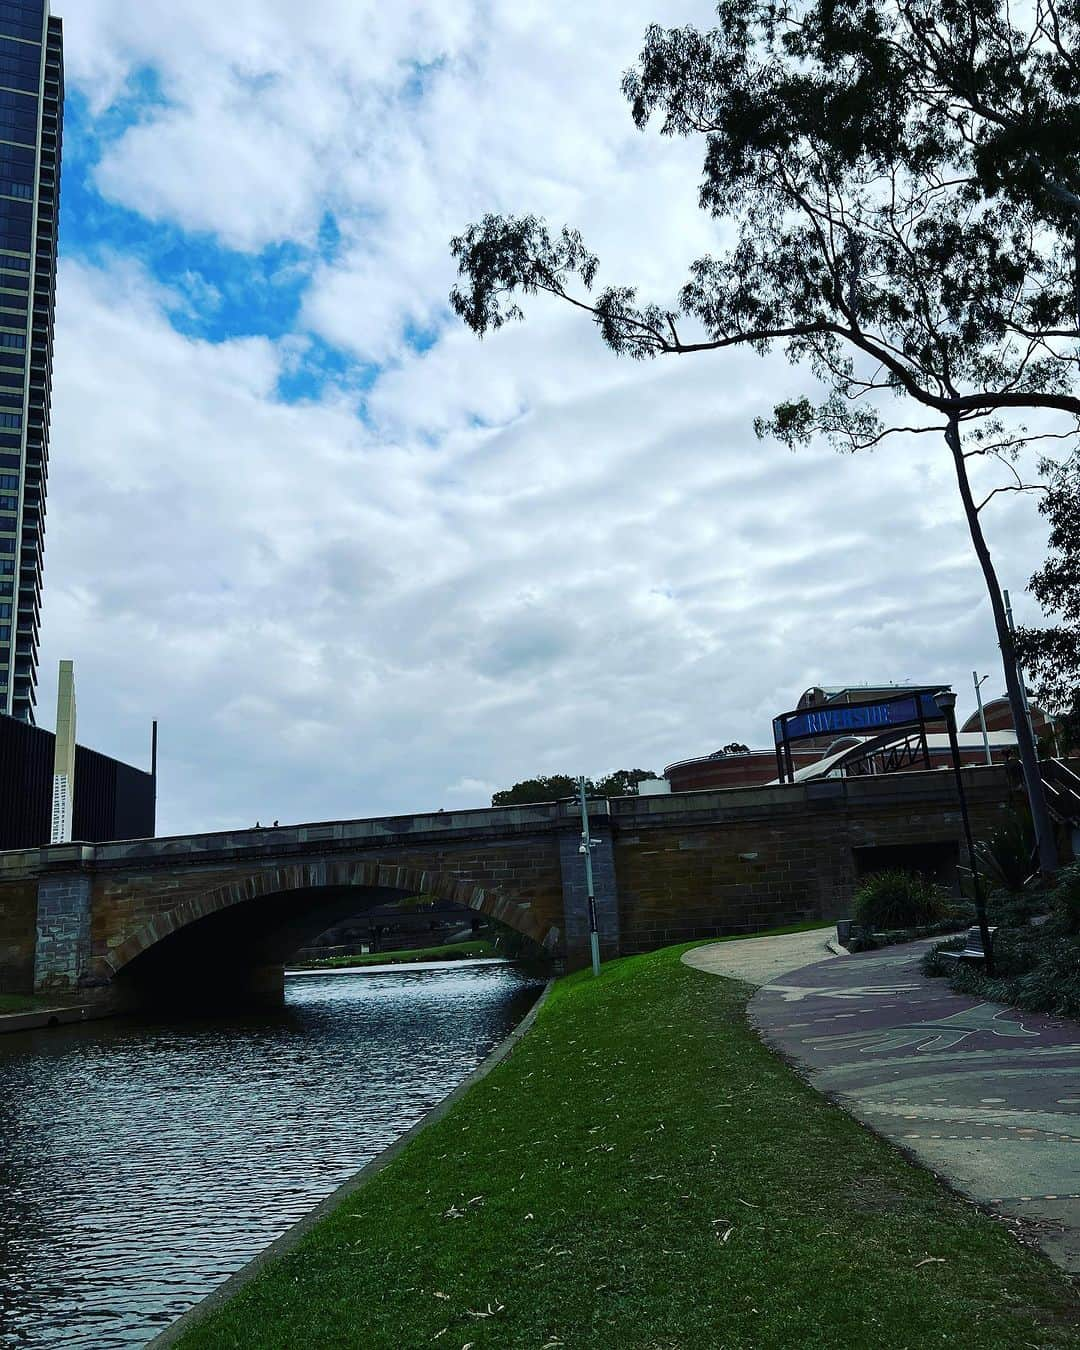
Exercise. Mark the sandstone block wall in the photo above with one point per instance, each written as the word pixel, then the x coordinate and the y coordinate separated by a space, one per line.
pixel 62 955
pixel 18 930
pixel 756 859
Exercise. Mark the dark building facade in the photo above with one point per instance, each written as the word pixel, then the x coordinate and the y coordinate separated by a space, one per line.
pixel 111 800
pixel 31 125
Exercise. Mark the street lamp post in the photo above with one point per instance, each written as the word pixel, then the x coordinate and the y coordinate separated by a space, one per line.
pixel 946 701
pixel 982 715
pixel 586 848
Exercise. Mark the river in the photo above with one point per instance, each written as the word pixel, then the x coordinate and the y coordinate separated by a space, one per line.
pixel 143 1161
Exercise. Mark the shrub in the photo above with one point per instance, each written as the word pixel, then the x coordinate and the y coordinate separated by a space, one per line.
pixel 891 900
pixel 1033 969
pixel 1006 856
pixel 1065 900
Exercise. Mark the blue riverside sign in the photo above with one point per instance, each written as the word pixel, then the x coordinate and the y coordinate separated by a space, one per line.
pixel 858 718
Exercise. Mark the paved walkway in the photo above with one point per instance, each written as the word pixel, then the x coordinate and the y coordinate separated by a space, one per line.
pixel 988 1097
pixel 759 960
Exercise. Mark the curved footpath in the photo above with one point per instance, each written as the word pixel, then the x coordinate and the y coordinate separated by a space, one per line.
pixel 986 1096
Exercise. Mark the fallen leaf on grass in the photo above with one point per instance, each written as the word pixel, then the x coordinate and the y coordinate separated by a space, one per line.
pixel 491 1312
pixel 928 1259
pixel 439 1294
pixel 440 1333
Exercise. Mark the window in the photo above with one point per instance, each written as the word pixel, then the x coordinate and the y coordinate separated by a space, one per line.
pixel 5 631
pixel 16 74
pixel 16 340
pixel 5 612
pixel 8 480
pixel 11 262
pixel 9 503
pixel 6 587
pixel 10 419
pixel 10 461
pixel 7 567
pixel 7 545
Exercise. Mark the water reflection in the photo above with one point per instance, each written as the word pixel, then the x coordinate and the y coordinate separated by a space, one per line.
pixel 142 1162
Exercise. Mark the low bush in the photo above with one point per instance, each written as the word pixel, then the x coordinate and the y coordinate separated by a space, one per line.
pixel 1036 966
pixel 1065 901
pixel 895 900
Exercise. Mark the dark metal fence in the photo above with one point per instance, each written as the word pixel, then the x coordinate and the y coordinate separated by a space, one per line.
pixel 112 800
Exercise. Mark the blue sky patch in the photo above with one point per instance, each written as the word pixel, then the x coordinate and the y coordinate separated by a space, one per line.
pixel 223 293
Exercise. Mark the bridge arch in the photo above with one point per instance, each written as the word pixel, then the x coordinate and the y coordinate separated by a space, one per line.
pixel 277 909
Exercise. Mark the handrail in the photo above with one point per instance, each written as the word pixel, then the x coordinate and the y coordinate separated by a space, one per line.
pixel 1062 791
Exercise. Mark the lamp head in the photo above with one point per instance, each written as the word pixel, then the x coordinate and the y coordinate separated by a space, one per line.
pixel 946 700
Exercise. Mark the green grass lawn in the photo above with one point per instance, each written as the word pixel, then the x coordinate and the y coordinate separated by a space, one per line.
pixel 18 1003
pixel 643 1173
pixel 451 951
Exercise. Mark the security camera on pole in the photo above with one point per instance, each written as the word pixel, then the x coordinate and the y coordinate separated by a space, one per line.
pixel 586 847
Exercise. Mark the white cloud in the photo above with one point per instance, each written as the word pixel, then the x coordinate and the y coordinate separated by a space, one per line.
pixel 527 556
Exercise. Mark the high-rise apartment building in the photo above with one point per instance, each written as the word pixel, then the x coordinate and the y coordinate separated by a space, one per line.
pixel 31 123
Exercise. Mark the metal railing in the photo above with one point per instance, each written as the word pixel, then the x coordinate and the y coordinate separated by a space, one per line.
pixel 1062 786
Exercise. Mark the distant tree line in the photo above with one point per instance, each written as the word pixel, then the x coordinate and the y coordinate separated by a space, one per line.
pixel 552 787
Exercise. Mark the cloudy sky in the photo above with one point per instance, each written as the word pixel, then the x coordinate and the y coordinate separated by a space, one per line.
pixel 358 562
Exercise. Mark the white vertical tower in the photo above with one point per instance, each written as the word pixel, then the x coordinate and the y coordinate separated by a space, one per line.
pixel 64 763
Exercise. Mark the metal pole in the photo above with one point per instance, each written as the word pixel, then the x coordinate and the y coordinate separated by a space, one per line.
pixel 153 767
pixel 980 904
pixel 1019 673
pixel 982 715
pixel 586 849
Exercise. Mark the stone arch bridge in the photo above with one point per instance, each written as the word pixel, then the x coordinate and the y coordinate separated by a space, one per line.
pixel 203 915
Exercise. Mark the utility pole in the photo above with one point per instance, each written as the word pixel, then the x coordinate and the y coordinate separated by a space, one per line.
pixel 946 701
pixel 586 848
pixel 982 715
pixel 1019 672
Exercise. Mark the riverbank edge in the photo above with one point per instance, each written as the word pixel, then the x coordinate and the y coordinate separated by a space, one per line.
pixel 299 1230
pixel 55 1017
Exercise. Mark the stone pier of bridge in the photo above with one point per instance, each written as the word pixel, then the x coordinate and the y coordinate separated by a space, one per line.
pixel 212 913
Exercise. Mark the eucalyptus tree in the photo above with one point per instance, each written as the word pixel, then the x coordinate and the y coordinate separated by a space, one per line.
pixel 1052 654
pixel 898 183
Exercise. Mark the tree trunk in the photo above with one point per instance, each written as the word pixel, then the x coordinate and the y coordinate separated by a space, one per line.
pixel 1029 759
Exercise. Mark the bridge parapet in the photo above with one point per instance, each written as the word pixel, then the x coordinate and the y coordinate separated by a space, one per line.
pixel 281 840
